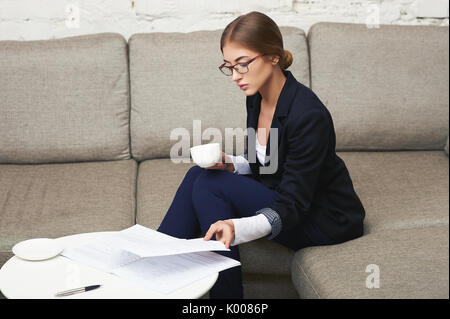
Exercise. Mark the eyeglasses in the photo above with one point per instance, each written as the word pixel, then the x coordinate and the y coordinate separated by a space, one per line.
pixel 239 67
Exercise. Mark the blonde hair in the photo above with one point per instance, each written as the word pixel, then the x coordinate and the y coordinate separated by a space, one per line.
pixel 258 32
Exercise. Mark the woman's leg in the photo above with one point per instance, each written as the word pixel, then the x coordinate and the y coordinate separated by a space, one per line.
pixel 221 195
pixel 206 196
pixel 200 202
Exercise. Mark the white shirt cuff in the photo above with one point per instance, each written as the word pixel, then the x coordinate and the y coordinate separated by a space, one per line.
pixel 241 165
pixel 250 228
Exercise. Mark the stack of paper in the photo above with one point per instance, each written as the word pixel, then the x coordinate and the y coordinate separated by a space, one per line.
pixel 159 261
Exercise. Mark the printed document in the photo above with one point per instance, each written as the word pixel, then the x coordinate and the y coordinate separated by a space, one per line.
pixel 157 260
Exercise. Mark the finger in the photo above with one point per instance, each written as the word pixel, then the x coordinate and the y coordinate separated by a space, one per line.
pixel 225 242
pixel 228 243
pixel 228 239
pixel 210 232
pixel 219 232
pixel 222 236
pixel 214 229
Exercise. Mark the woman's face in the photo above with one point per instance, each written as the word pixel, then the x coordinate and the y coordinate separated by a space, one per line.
pixel 259 70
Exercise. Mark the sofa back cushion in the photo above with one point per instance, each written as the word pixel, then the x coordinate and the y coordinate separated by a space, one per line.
pixel 386 88
pixel 175 80
pixel 64 100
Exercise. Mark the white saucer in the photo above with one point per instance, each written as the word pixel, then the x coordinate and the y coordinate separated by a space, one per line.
pixel 37 249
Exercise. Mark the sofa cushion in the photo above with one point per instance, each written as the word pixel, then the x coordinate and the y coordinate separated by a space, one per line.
pixel 386 88
pixel 54 200
pixel 400 189
pixel 158 181
pixel 411 263
pixel 64 100
pixel 175 80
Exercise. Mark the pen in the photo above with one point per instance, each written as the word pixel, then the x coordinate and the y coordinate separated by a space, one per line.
pixel 76 290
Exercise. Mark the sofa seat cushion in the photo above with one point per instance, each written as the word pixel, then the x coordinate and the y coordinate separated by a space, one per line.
pixel 400 189
pixel 412 263
pixel 158 181
pixel 54 200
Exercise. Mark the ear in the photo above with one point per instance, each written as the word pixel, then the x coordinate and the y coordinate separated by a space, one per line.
pixel 274 59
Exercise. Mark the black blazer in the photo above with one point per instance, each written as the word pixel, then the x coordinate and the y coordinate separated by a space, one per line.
pixel 311 180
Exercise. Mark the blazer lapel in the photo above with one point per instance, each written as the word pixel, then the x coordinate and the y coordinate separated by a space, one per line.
pixel 281 111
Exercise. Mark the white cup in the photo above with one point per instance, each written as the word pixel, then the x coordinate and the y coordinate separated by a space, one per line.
pixel 206 155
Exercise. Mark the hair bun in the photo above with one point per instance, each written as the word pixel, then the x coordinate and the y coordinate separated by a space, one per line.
pixel 286 60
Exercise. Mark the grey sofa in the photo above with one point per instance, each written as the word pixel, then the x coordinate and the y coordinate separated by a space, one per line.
pixel 85 127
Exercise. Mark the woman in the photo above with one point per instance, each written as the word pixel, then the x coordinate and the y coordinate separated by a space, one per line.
pixel 309 200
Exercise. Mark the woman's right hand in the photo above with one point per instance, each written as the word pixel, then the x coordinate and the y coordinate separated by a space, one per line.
pixel 224 165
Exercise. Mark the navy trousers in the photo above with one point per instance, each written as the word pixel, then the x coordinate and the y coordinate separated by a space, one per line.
pixel 206 196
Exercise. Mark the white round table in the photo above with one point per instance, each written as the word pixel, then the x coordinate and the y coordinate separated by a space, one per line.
pixel 25 279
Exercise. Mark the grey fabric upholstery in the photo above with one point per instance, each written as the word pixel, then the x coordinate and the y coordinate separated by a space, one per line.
pixel 386 88
pixel 54 200
pixel 401 189
pixel 412 263
pixel 64 100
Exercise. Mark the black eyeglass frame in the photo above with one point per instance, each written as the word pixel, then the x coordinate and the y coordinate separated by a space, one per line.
pixel 233 66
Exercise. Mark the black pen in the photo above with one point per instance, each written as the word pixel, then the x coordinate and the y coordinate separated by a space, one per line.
pixel 76 290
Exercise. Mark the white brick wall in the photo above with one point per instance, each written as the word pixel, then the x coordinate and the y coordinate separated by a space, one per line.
pixel 44 19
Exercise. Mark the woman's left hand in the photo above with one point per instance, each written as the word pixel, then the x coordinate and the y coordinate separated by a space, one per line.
pixel 224 230
pixel 226 164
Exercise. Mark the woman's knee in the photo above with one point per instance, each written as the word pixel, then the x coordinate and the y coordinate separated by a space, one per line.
pixel 194 171
pixel 207 177
pixel 212 181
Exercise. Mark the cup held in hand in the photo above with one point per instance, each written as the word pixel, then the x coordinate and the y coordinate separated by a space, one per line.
pixel 206 155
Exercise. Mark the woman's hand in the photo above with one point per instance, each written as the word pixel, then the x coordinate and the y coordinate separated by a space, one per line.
pixel 224 230
pixel 226 165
